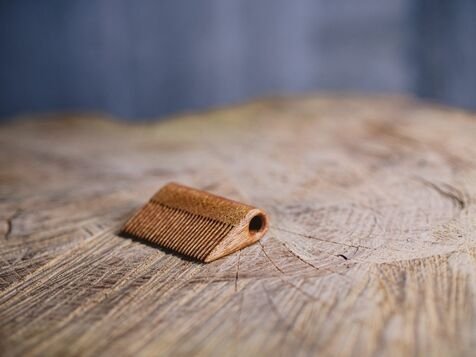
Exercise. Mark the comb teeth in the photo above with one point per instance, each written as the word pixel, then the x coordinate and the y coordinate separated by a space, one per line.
pixel 196 224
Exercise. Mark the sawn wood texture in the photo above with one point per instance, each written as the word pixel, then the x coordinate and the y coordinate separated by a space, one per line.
pixel 371 248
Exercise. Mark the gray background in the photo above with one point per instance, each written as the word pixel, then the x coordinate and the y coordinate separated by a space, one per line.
pixel 148 58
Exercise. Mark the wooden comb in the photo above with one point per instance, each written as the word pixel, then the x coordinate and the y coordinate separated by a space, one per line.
pixel 196 223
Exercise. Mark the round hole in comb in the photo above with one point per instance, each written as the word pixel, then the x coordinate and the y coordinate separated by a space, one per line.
pixel 257 223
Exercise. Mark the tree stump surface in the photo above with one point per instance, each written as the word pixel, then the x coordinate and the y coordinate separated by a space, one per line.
pixel 371 248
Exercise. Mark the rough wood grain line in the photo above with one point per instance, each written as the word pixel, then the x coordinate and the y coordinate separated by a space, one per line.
pixel 372 250
pixel 196 224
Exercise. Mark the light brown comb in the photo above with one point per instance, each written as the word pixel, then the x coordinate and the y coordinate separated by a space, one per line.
pixel 196 223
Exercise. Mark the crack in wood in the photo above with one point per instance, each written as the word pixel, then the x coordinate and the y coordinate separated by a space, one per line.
pixel 9 222
pixel 320 239
pixel 237 271
pixel 447 194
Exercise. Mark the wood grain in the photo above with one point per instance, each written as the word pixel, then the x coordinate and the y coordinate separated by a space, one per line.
pixel 371 249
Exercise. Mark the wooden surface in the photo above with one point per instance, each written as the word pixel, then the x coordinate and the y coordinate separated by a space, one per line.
pixel 371 249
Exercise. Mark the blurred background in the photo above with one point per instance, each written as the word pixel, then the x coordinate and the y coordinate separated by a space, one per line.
pixel 146 59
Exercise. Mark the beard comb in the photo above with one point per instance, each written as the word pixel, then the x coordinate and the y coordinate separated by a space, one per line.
pixel 196 224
